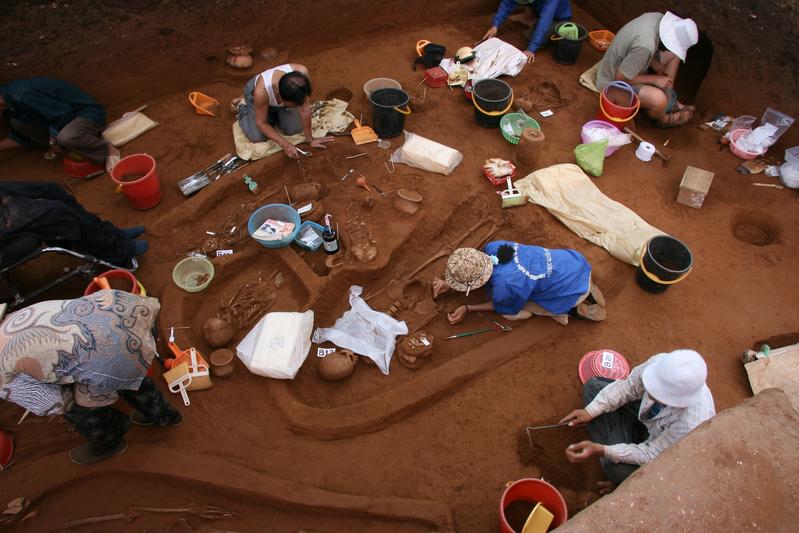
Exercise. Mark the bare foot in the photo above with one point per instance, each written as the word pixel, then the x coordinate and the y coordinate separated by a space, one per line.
pixel 563 320
pixel 525 18
pixel 606 487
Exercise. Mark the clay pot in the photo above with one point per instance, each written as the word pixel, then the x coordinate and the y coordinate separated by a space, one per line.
pixel 338 365
pixel 407 201
pixel 239 57
pixel 222 362
pixel 218 332
pixel 335 260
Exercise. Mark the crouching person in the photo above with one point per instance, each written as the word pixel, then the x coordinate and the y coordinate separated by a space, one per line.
pixel 77 357
pixel 632 421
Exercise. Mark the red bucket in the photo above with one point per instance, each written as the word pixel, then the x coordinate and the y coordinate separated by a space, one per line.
pixel 80 169
pixel 618 115
pixel 101 282
pixel 533 491
pixel 136 177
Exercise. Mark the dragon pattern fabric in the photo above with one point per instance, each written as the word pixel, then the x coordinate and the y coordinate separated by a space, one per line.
pixel 84 350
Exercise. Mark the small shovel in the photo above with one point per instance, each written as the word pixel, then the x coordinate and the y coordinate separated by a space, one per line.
pixel 363 134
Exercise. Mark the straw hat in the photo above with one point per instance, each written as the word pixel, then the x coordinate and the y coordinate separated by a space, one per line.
pixel 678 35
pixel 468 269
pixel 677 378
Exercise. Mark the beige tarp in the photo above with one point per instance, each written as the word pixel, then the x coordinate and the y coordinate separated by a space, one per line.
pixel 327 116
pixel 570 195
pixel 127 128
pixel 588 78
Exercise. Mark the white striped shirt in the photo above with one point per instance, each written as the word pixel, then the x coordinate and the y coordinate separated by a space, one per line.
pixel 666 428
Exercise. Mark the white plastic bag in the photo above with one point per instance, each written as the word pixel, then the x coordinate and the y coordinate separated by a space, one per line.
pixel 495 58
pixel 419 152
pixel 364 331
pixel 278 344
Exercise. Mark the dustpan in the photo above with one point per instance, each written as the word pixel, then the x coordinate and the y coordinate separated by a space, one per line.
pixel 539 520
pixel 203 104
pixel 198 366
pixel 363 134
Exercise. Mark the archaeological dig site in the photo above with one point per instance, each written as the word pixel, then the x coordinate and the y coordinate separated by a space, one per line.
pixel 348 266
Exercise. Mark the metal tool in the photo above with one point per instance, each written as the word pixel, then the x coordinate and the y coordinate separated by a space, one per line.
pixel 548 426
pixel 498 327
pixel 658 153
pixel 199 180
pixel 303 153
pixel 347 175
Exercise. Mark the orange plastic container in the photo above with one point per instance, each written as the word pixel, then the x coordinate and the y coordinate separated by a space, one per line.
pixel 533 491
pixel 101 282
pixel 601 39
pixel 618 115
pixel 203 104
pixel 143 192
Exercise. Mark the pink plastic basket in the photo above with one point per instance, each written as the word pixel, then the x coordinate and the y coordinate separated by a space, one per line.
pixel 603 364
pixel 610 150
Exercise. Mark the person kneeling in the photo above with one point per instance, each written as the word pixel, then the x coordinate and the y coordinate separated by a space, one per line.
pixel 523 281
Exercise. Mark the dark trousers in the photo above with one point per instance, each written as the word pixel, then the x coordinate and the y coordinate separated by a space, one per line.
pixel 80 135
pixel 104 427
pixel 618 427
pixel 55 217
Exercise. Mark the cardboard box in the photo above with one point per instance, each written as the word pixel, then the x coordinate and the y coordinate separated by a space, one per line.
pixel 694 187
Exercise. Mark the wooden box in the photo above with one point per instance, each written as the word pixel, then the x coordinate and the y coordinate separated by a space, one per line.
pixel 694 187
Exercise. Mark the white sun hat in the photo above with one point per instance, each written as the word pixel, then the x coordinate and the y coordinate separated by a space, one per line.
pixel 677 378
pixel 677 34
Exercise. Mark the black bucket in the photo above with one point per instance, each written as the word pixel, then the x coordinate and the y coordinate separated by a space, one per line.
pixel 567 50
pixel 389 107
pixel 665 261
pixel 492 99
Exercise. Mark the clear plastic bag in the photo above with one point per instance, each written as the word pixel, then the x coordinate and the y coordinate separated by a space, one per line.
pixel 364 331
pixel 419 152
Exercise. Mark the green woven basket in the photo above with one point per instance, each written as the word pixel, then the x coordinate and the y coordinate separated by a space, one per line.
pixel 513 124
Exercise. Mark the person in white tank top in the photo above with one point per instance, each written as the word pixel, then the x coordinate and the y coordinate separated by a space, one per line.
pixel 277 104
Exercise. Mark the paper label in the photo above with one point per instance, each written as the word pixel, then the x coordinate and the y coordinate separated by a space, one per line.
pixel 220 253
pixel 321 352
pixel 547 113
pixel 304 209
pixel 425 341
pixel 607 360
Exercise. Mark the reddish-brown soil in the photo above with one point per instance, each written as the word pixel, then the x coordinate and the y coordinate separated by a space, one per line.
pixel 421 449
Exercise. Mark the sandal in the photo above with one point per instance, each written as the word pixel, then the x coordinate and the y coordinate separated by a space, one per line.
pixel 592 312
pixel 86 455
pixel 676 119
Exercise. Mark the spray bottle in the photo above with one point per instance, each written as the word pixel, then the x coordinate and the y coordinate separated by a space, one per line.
pixel 329 237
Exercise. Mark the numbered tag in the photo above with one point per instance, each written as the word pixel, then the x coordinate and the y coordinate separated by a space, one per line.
pixel 607 360
pixel 321 352
pixel 220 253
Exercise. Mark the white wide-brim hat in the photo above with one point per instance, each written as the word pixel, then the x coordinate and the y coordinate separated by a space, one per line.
pixel 677 34
pixel 677 378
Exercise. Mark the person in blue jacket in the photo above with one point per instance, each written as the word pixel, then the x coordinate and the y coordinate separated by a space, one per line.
pixel 523 280
pixel 549 12
pixel 58 115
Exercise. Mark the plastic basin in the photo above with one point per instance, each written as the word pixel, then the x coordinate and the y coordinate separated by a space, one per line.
pixel 193 274
pixel 380 83
pixel 281 212
pixel 513 124
pixel 734 148
pixel 610 150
